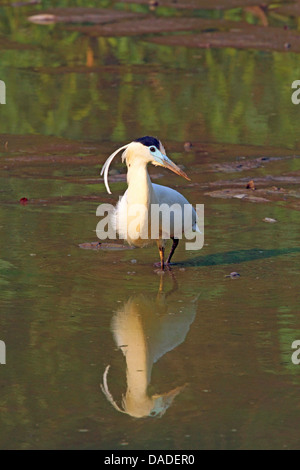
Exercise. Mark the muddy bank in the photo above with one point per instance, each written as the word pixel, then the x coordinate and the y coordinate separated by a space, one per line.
pixel 242 36
pixel 208 33
pixel 80 15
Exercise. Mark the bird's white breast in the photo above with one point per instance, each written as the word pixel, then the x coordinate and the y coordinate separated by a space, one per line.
pixel 159 195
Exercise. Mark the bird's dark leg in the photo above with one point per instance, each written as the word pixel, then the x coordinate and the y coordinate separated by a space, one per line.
pixel 174 246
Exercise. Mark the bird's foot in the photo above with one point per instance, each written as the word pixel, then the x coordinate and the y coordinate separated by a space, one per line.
pixel 166 267
pixel 170 264
pixel 157 265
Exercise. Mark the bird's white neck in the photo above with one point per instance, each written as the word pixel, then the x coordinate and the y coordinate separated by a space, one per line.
pixel 140 189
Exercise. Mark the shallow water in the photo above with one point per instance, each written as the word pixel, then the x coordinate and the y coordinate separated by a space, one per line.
pixel 215 350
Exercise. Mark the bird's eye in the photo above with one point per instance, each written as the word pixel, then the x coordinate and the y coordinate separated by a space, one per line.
pixel 152 149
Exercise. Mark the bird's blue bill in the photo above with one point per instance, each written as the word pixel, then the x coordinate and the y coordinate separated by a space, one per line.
pixel 162 160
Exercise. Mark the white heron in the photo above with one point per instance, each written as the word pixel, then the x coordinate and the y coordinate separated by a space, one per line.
pixel 143 193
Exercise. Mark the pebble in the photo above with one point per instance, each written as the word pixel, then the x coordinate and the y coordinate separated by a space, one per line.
pixel 187 146
pixel 23 201
pixel 233 275
pixel 251 185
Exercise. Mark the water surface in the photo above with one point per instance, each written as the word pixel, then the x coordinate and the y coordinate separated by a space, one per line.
pixel 215 351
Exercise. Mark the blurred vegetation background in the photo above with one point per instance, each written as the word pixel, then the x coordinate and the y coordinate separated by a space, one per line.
pixel 66 83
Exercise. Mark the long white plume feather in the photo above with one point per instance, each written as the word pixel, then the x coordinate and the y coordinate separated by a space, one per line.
pixel 106 165
pixel 105 390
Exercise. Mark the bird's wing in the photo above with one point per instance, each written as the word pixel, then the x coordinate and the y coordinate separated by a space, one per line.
pixel 166 195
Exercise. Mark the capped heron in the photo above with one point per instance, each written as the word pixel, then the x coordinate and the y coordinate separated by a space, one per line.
pixel 141 191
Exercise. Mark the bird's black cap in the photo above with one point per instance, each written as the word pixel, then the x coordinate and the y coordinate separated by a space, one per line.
pixel 148 141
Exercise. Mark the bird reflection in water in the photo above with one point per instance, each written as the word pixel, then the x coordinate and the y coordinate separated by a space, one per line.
pixel 146 328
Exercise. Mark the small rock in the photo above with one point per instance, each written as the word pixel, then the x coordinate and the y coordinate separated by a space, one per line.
pixel 251 185
pixel 153 5
pixel 23 201
pixel 233 275
pixel 269 220
pixel 187 146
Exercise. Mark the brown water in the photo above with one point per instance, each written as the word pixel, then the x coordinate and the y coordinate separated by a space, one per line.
pixel 215 351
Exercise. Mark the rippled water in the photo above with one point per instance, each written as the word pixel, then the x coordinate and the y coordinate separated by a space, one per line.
pixel 198 360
